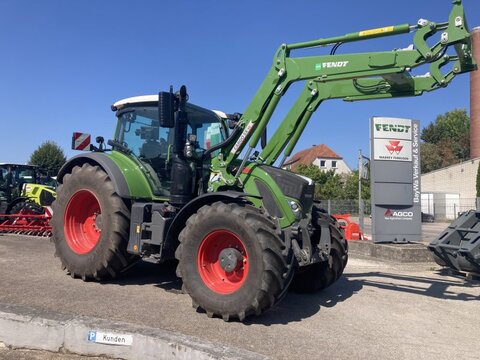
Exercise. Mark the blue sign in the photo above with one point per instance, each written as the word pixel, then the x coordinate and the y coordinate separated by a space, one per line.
pixel 92 336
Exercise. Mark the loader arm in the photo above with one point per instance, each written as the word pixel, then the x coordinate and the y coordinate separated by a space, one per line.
pixel 314 93
pixel 356 76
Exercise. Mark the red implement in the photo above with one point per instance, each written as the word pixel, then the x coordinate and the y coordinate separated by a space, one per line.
pixel 26 224
pixel 351 229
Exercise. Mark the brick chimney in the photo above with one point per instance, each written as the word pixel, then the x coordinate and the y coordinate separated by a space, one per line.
pixel 475 98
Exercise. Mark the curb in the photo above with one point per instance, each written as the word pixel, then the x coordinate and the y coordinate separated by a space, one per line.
pixel 403 253
pixel 23 327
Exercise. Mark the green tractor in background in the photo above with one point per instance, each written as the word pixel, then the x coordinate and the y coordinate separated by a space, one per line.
pixel 177 183
pixel 25 189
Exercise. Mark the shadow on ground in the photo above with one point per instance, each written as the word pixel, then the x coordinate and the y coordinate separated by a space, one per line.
pixel 296 307
pixel 419 285
pixel 144 273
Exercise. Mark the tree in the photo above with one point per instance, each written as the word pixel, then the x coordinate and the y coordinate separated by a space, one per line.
pixel 331 189
pixel 48 156
pixel 350 188
pixel 446 140
pixel 327 183
pixel 437 156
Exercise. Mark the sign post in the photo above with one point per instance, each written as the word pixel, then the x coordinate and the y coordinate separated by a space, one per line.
pixel 363 162
pixel 395 180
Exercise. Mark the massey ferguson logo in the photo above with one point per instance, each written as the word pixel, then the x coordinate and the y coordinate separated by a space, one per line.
pixel 394 146
pixel 398 215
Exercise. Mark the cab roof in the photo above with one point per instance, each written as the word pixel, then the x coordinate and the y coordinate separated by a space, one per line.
pixel 153 100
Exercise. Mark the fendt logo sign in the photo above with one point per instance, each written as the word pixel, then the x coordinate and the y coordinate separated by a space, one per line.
pixel 394 147
pixel 392 139
pixel 390 128
pixel 395 128
pixel 398 215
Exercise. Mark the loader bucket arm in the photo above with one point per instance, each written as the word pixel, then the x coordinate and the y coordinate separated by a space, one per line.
pixel 354 76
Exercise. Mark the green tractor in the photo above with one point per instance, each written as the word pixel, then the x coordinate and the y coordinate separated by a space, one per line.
pixel 179 181
pixel 25 188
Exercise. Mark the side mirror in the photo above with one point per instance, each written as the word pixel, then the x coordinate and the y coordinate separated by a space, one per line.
pixel 166 109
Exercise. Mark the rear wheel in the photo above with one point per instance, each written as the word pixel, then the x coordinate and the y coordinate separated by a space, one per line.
pixel 90 225
pixel 321 275
pixel 232 261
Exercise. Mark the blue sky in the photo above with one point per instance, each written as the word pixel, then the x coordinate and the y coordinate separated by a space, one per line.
pixel 63 63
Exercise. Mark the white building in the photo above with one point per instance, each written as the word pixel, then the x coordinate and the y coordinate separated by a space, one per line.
pixel 321 156
pixel 448 191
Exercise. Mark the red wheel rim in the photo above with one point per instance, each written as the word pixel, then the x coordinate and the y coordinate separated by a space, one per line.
pixel 81 228
pixel 212 274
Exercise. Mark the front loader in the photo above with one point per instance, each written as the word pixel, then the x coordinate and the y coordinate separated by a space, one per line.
pixel 181 181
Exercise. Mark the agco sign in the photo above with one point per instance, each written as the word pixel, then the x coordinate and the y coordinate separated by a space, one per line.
pixel 398 215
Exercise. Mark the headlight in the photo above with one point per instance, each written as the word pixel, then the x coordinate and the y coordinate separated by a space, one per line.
pixel 296 208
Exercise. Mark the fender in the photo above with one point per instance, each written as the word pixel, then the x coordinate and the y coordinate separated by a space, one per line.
pixel 107 164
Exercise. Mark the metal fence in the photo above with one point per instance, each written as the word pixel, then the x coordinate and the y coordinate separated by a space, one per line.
pixel 345 206
pixel 447 207
pixel 442 209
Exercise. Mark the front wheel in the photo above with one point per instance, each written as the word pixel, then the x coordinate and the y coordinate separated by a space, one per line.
pixel 90 225
pixel 232 261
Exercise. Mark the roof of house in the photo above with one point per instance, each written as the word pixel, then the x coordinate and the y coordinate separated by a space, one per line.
pixel 308 156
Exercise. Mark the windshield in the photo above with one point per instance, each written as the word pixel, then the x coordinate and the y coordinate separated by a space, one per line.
pixel 17 174
pixel 139 131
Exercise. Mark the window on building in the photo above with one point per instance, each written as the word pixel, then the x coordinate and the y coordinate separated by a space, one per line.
pixel 322 163
pixel 334 163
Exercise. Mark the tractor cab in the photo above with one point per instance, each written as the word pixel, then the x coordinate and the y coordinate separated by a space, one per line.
pixel 19 182
pixel 178 153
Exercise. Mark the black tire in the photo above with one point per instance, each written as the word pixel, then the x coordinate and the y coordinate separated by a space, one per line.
pixel 27 207
pixel 108 256
pixel 269 271
pixel 318 276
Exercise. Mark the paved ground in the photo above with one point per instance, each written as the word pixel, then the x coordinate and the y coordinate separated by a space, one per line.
pixel 9 354
pixel 376 311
